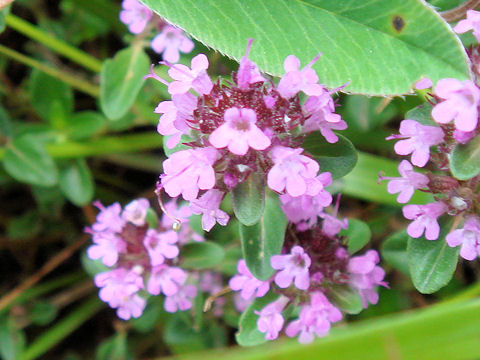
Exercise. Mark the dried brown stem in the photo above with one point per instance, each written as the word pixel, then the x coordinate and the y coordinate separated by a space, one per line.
pixel 460 11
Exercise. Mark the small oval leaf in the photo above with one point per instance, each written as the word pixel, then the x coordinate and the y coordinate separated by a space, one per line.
pixel 76 182
pixel 358 235
pixel 465 160
pixel 249 199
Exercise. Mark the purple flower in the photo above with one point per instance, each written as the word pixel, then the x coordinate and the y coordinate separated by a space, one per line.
pixel 406 184
pixel 109 218
pixel 270 320
pixel 461 103
pixel 296 80
pixel 319 109
pixel 468 237
pixel 315 319
pixel 135 15
pixel 423 83
pixel 181 300
pixel 291 171
pixel 365 275
pixel 472 22
pixel 248 72
pixel 239 132
pixel 464 137
pixel 106 246
pixel 166 279
pixel 187 171
pixel 171 41
pixel 248 285
pixel 136 211
pixel 418 139
pixel 293 268
pixel 331 226
pixel 160 245
pixel 196 78
pixel 240 303
pixel 424 219
pixel 208 205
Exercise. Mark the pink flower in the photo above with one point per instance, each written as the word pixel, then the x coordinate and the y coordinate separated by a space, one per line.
pixel 270 320
pixel 296 80
pixel 314 319
pixel 463 137
pixel 106 246
pixel 160 245
pixel 239 132
pixel 461 103
pixel 196 78
pixel 248 285
pixel 181 300
pixel 248 72
pixel 472 22
pixel 424 219
pixel 292 171
pixel 365 275
pixel 187 171
pixel 135 15
pixel 208 205
pixel 418 139
pixel 424 83
pixel 293 268
pixel 406 184
pixel 136 211
pixel 109 218
pixel 331 226
pixel 166 279
pixel 171 41
pixel 468 237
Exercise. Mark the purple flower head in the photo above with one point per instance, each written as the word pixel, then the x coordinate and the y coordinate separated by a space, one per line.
pixel 109 218
pixel 461 103
pixel 293 268
pixel 248 72
pixel 406 184
pixel 187 171
pixel 240 303
pixel 166 279
pixel 135 15
pixel 160 245
pixel 291 171
pixel 239 132
pixel 424 219
pixel 171 41
pixel 464 137
pixel 182 214
pixel 248 285
pixel 472 22
pixel 423 83
pixel 136 211
pixel 119 289
pixel 106 246
pixel 365 275
pixel 315 319
pixel 208 205
pixel 417 140
pixel 468 237
pixel 270 320
pixel 186 79
pixel 296 80
pixel 181 300
pixel 331 226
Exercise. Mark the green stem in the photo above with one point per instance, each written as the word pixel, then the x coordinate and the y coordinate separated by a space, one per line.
pixel 62 329
pixel 79 84
pixel 61 47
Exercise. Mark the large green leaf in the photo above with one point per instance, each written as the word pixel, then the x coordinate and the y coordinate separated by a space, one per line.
pixel 379 47
pixel 121 80
pixel 465 160
pixel 249 199
pixel 264 239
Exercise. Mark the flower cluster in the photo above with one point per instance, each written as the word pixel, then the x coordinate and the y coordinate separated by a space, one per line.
pixel 250 125
pixel 170 41
pixel 314 266
pixel 144 257
pixel 455 121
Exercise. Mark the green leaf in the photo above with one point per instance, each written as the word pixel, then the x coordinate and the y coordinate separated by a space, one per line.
pixel 46 91
pixel 465 160
pixel 6 126
pixel 264 239
pixel 151 218
pixel 248 334
pixel 431 262
pixel 121 79
pixel 394 251
pixel 355 39
pixel 422 114
pixel 338 158
pixel 347 299
pixel 27 161
pixel 3 13
pixel 92 267
pixel 249 199
pixel 12 340
pixel 114 348
pixel 358 235
pixel 43 313
pixel 362 113
pixel 84 124
pixel 76 182
pixel 202 255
